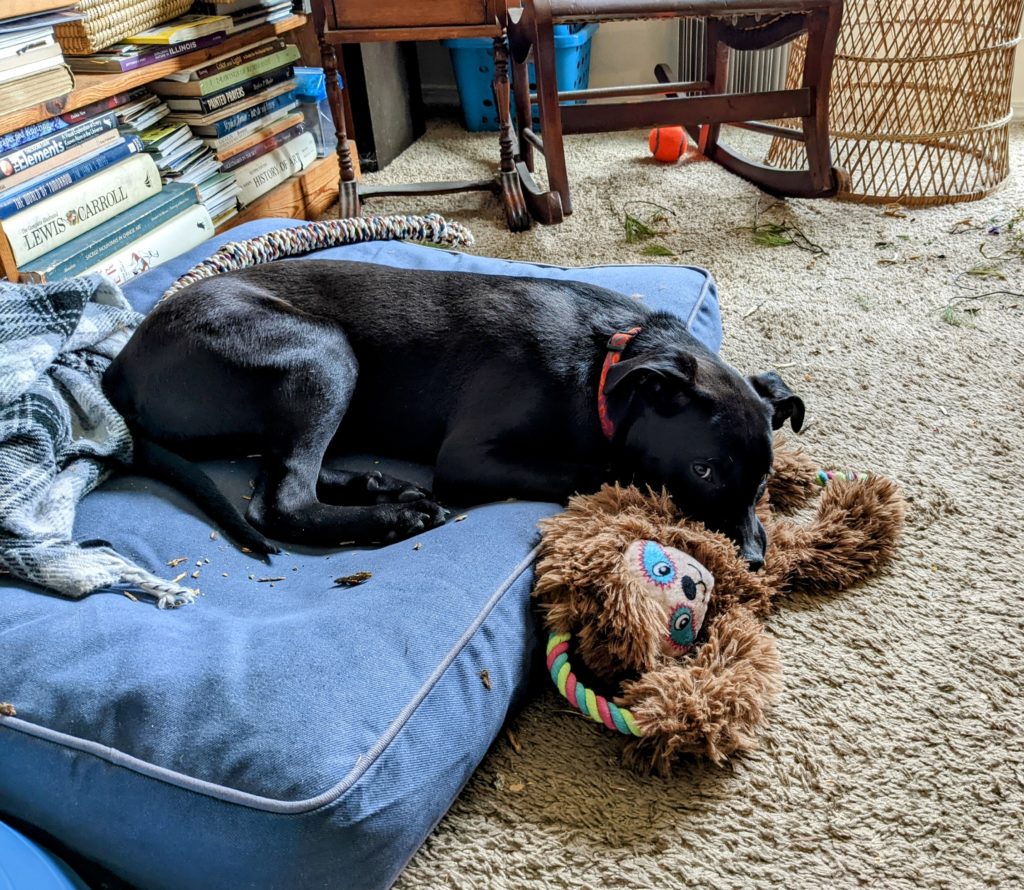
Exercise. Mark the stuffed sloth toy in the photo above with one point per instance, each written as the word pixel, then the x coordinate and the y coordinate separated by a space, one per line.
pixel 663 617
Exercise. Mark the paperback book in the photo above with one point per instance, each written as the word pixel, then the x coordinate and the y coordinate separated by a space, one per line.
pixel 262 148
pixel 217 143
pixel 187 27
pixel 235 144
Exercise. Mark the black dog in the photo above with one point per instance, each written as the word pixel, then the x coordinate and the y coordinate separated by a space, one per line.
pixel 510 387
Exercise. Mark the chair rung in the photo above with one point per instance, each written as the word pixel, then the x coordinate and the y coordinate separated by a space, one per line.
pixel 564 11
pixel 640 89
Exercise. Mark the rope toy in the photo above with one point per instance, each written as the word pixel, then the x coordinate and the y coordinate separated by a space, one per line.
pixel 586 701
pixel 300 240
pixel 597 707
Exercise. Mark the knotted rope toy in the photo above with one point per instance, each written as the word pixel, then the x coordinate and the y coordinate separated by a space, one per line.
pixel 625 584
pixel 300 240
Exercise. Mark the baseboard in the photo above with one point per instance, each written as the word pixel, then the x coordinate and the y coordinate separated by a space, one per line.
pixel 447 96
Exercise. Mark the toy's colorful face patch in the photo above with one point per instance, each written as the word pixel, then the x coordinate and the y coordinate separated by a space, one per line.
pixel 679 584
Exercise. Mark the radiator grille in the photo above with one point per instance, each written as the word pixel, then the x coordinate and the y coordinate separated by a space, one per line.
pixel 749 70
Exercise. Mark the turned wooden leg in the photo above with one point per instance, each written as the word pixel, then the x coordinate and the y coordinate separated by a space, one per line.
pixel 716 72
pixel 547 98
pixel 348 188
pixel 516 214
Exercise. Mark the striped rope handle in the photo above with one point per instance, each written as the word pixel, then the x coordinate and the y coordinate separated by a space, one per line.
pixel 823 477
pixel 300 240
pixel 585 700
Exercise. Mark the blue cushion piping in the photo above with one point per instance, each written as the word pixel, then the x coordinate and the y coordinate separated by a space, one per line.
pixel 269 804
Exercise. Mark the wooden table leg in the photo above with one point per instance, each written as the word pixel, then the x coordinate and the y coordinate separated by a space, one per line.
pixel 516 214
pixel 348 188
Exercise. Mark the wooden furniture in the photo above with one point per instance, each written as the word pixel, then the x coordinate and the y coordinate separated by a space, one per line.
pixel 356 21
pixel 304 196
pixel 920 108
pixel 704 107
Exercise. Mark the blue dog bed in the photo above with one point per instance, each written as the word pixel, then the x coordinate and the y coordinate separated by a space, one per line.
pixel 278 733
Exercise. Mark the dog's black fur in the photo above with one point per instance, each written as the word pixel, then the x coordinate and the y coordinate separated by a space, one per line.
pixel 493 380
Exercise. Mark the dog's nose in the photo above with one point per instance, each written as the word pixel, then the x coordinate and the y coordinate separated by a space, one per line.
pixel 754 562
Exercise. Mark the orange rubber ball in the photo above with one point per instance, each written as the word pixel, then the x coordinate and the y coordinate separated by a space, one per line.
pixel 668 144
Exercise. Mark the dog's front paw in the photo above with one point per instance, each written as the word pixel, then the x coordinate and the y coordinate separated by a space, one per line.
pixel 413 517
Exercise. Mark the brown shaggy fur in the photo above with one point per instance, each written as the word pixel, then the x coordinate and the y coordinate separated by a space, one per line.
pixel 713 701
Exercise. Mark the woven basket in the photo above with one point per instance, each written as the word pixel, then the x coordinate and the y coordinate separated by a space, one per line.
pixel 108 21
pixel 920 101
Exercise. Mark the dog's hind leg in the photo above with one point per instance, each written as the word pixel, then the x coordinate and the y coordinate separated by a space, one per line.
pixel 307 406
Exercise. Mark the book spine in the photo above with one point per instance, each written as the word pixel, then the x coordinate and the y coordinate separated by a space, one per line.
pixel 257 52
pixel 83 252
pixel 260 176
pixel 241 118
pixel 163 53
pixel 217 101
pixel 80 208
pixel 34 153
pixel 18 138
pixel 62 179
pixel 175 237
pixel 262 148
pixel 217 82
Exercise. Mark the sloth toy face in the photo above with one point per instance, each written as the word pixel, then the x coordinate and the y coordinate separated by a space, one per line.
pixel 679 584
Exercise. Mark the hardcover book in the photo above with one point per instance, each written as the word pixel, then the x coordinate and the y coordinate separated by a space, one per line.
pixel 219 143
pixel 262 148
pixel 217 82
pixel 58 162
pixel 41 187
pixel 235 120
pixel 258 177
pixel 234 144
pixel 81 208
pixel 208 104
pixel 195 120
pixel 34 153
pixel 83 252
pixel 173 238
pixel 122 57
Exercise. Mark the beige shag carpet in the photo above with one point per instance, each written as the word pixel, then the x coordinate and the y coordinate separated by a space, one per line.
pixel 894 757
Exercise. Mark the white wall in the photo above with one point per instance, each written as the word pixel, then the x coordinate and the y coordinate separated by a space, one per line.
pixel 623 53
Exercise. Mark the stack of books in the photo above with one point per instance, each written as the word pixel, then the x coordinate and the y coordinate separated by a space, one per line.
pixel 78 195
pixel 243 108
pixel 246 14
pixel 32 67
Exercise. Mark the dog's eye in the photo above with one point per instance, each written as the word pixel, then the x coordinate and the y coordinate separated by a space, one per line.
pixel 702 471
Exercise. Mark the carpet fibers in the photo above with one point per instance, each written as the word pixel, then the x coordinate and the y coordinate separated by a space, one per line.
pixel 894 757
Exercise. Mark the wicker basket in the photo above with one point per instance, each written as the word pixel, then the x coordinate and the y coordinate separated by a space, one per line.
pixel 108 21
pixel 920 101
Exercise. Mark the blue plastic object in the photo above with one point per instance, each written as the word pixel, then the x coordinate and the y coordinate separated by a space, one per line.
pixel 26 866
pixel 473 61
pixel 311 91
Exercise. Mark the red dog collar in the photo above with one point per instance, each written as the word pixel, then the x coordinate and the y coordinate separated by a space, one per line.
pixel 616 344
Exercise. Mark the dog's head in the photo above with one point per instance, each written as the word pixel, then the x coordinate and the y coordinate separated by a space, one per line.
pixel 693 424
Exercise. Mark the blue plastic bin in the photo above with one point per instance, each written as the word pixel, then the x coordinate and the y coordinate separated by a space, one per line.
pixel 473 61
pixel 25 866
pixel 311 91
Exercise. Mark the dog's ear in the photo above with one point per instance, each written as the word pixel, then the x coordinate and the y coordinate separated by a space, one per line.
pixel 653 372
pixel 786 405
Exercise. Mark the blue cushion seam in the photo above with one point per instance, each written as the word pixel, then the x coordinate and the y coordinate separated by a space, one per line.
pixel 269 804
pixel 699 304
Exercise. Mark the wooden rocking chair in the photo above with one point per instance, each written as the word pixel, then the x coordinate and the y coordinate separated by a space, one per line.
pixel 704 107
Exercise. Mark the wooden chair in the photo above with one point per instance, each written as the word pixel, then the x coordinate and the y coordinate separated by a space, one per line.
pixel 357 21
pixel 731 24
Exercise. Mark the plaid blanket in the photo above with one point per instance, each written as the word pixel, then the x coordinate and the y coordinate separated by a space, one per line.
pixel 59 436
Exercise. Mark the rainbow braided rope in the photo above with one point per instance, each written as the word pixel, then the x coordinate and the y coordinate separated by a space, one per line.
pixel 823 477
pixel 303 239
pixel 584 700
